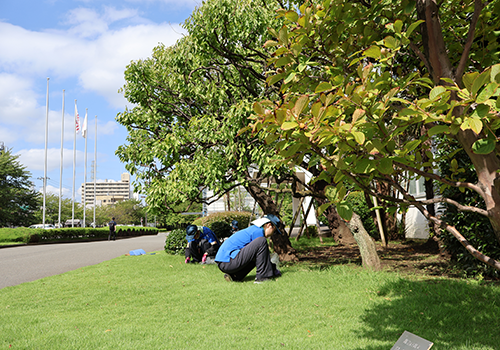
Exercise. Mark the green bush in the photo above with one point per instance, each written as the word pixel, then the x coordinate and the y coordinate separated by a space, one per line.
pixel 20 234
pixel 311 231
pixel 221 229
pixel 243 218
pixel 175 243
pixel 38 235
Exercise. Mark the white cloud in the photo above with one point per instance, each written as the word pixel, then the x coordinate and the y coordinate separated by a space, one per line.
pixel 87 56
pixel 89 50
pixel 66 192
pixel 17 99
pixel 36 158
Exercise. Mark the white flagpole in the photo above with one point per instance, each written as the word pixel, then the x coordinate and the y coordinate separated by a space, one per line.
pixel 95 166
pixel 74 170
pixel 84 133
pixel 61 169
pixel 46 141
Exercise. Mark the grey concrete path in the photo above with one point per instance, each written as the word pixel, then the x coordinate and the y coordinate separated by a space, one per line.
pixel 28 263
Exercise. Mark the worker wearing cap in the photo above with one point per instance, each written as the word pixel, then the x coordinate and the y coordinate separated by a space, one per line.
pixel 247 249
pixel 234 226
pixel 202 244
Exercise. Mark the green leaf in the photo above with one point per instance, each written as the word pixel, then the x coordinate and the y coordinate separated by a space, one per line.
pixel 364 166
pixel 282 61
pixel 495 73
pixel 323 86
pixel 398 25
pixel 291 151
pixel 290 77
pixel 410 146
pixel 468 80
pixel 484 146
pixel 270 43
pixel 283 35
pixel 292 16
pixel 344 210
pixel 359 137
pixel 481 111
pixel 390 42
pixel 275 78
pixel 487 92
pixel 289 125
pixel 300 104
pixel 271 138
pixel 435 92
pixel 373 52
pixel 385 166
pixel 480 81
pixel 476 125
pixel 438 129
pixel 323 207
pixel 257 108
pixel 412 27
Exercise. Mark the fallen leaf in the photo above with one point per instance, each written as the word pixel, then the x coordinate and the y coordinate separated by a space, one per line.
pixel 108 330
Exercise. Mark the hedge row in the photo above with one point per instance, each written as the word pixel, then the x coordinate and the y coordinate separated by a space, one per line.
pixel 220 223
pixel 34 235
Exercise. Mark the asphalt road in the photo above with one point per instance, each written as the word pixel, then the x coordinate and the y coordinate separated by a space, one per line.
pixel 31 262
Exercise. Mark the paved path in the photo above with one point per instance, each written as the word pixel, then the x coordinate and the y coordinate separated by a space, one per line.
pixel 28 263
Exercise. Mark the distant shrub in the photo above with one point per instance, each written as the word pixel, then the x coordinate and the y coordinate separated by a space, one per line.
pixel 175 243
pixel 243 218
pixel 221 229
pixel 311 231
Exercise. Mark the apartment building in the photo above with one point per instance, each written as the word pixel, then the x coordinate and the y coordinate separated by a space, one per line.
pixel 108 192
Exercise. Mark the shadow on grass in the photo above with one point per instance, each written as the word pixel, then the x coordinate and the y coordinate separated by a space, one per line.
pixel 451 314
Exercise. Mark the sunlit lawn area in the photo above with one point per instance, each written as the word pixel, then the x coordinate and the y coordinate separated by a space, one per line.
pixel 158 302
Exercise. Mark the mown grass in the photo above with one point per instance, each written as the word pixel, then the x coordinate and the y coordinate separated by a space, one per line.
pixel 158 302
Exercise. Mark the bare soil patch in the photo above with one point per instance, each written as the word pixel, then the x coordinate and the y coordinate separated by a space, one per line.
pixel 405 257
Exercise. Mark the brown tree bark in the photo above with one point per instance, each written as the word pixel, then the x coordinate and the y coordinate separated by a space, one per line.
pixel 281 243
pixel 366 244
pixel 438 63
pixel 340 232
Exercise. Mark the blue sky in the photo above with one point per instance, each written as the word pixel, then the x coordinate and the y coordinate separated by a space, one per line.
pixel 83 47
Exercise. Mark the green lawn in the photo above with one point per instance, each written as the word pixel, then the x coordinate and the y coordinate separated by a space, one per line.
pixel 158 302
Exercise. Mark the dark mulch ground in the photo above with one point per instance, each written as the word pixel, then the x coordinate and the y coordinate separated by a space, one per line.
pixel 405 257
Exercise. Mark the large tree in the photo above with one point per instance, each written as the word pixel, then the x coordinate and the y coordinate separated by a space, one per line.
pixel 191 100
pixel 18 198
pixel 366 86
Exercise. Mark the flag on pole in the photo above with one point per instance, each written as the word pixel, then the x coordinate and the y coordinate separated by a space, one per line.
pixel 84 127
pixel 77 120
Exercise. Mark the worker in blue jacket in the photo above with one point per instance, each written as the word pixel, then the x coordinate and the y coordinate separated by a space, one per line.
pixel 202 245
pixel 247 249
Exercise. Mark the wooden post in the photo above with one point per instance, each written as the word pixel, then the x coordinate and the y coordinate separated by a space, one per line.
pixel 318 227
pixel 305 220
pixel 379 223
pixel 295 216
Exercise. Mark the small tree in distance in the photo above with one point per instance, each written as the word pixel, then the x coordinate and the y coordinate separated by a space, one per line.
pixel 18 197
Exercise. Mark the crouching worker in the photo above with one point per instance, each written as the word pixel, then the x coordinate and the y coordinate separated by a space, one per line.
pixel 202 246
pixel 247 249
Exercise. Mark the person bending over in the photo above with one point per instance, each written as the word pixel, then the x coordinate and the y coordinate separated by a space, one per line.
pixel 202 246
pixel 247 249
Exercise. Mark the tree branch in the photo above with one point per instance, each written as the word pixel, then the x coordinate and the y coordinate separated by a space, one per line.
pixel 478 7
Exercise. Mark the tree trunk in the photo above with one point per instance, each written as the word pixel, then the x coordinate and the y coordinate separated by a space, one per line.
pixel 282 245
pixel 438 63
pixel 366 244
pixel 341 233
